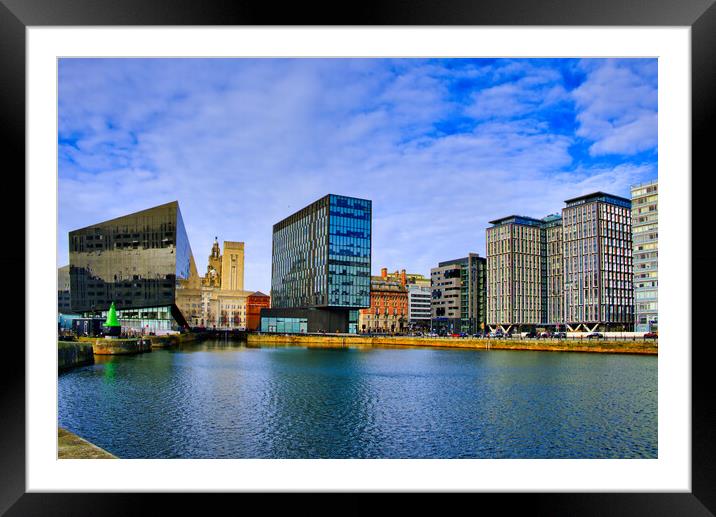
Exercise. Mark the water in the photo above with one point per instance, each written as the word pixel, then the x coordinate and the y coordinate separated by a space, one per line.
pixel 219 400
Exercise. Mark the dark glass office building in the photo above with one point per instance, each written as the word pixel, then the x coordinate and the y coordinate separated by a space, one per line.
pixel 320 273
pixel 137 261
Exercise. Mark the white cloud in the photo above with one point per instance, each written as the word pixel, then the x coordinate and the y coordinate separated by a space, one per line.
pixel 243 144
pixel 617 107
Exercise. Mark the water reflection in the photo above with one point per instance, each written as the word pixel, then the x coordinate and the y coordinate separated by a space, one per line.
pixel 224 400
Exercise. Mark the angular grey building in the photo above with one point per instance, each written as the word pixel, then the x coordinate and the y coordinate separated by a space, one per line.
pixel 138 261
pixel 63 290
pixel 320 270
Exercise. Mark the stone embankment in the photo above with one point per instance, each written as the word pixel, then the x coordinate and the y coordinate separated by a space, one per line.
pixel 81 352
pixel 73 353
pixel 551 345
pixel 103 346
pixel 71 446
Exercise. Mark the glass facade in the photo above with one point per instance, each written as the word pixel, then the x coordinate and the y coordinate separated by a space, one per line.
pixel 137 261
pixel 349 238
pixel 321 255
pixel 148 319
pixel 285 325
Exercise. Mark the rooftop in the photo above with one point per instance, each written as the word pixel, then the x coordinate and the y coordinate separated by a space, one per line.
pixel 516 219
pixel 133 214
pixel 597 196
pixel 321 202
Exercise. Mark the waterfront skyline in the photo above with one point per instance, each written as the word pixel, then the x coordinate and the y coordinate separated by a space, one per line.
pixel 441 146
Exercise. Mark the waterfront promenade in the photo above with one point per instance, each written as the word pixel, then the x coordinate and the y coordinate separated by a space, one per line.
pixel 628 346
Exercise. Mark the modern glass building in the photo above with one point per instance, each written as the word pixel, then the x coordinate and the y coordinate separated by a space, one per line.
pixel 138 261
pixel 645 228
pixel 63 290
pixel 321 258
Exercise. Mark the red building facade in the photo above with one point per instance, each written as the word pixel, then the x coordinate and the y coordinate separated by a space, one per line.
pixel 388 312
pixel 254 303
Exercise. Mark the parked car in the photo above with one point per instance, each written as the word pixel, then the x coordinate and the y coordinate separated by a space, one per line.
pixel 595 335
pixel 497 334
pixel 559 335
pixel 651 335
pixel 543 335
pixel 531 334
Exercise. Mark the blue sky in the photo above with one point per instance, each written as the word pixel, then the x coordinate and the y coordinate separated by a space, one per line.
pixel 441 146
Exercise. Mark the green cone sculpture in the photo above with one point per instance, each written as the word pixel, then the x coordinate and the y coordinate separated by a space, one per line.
pixel 112 317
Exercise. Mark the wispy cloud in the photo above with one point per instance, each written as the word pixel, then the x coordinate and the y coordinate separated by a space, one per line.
pixel 440 146
pixel 617 106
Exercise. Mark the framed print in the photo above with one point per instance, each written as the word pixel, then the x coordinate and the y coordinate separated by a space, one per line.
pixel 534 147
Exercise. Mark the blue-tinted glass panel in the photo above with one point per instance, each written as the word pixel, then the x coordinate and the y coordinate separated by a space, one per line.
pixel 349 252
pixel 321 255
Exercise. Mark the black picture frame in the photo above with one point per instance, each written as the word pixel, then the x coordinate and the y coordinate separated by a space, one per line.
pixel 700 15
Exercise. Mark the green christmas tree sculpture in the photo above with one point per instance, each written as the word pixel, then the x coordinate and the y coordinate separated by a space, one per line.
pixel 112 317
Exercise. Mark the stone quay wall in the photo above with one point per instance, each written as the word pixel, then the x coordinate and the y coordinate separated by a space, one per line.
pixel 550 345
pixel 73 353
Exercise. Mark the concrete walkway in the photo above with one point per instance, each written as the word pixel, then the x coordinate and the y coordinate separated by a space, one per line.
pixel 71 446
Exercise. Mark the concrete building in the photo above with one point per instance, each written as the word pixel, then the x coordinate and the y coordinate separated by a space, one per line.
pixel 388 311
pixel 568 272
pixel 516 249
pixel 320 274
pixel 458 295
pixel 645 230
pixel 218 302
pixel 419 297
pixel 553 271
pixel 597 249
pixel 63 290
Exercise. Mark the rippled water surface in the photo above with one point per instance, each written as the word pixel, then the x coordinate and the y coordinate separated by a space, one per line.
pixel 218 400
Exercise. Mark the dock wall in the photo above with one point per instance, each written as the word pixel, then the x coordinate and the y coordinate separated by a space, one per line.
pixel 73 353
pixel 550 345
